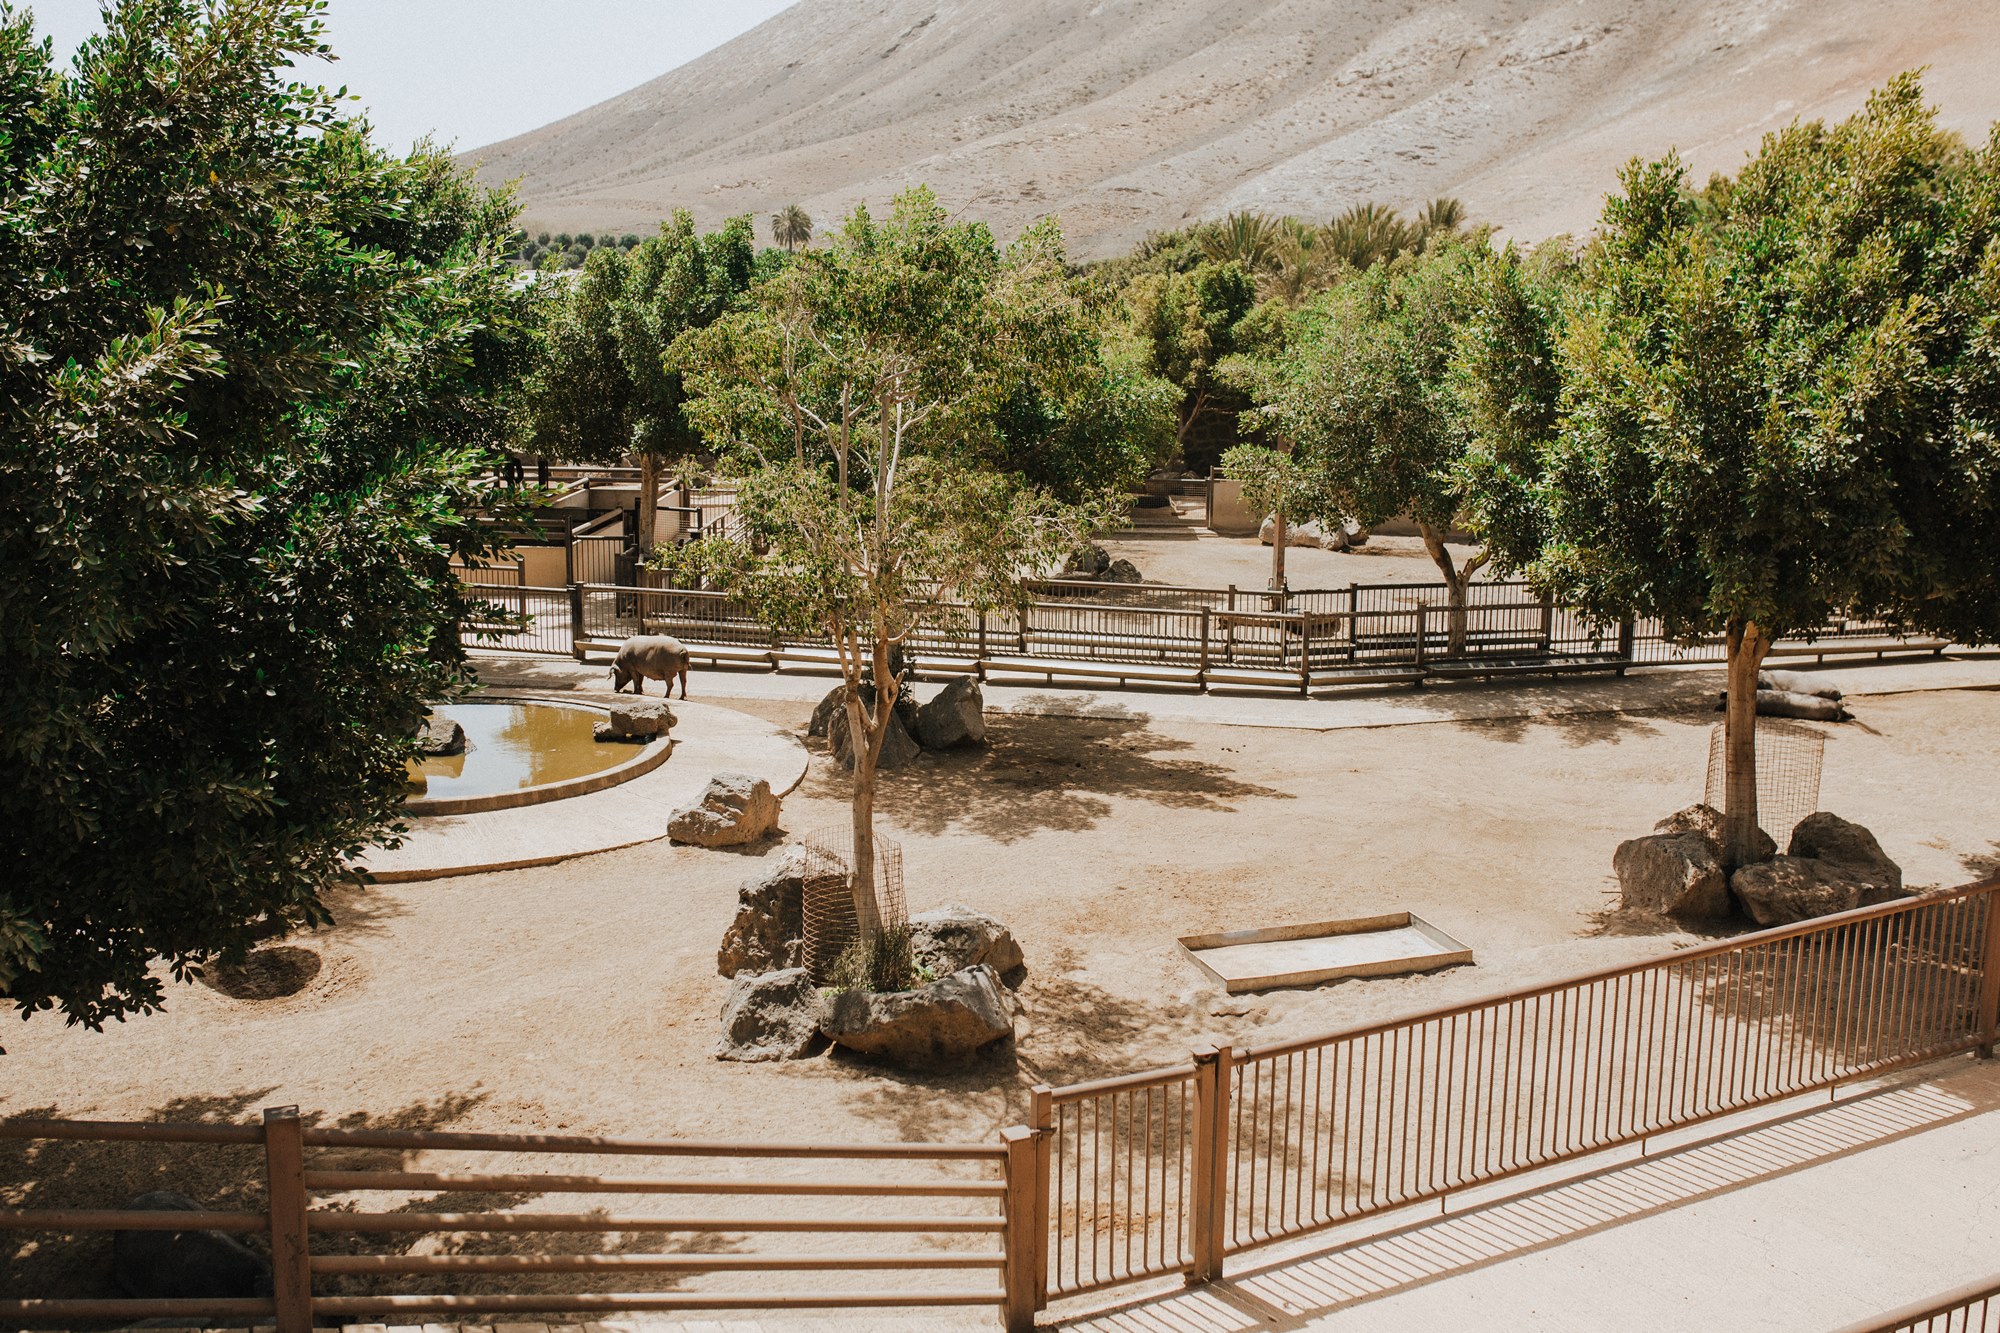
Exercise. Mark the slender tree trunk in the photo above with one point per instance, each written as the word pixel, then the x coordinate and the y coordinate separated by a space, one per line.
pixel 649 502
pixel 1454 584
pixel 866 731
pixel 1277 550
pixel 1748 645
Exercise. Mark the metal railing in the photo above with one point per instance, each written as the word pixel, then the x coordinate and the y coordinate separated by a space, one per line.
pixel 1296 1136
pixel 526 620
pixel 1120 1179
pixel 1971 1309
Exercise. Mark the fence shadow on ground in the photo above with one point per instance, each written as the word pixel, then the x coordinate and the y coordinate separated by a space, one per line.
pixel 1283 1295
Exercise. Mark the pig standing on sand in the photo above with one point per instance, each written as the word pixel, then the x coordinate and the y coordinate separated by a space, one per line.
pixel 645 657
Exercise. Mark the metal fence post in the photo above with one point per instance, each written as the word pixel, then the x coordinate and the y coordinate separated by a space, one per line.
pixel 1043 1121
pixel 285 1186
pixel 1305 654
pixel 576 634
pixel 1989 977
pixel 1423 635
pixel 1625 639
pixel 1018 1311
pixel 1207 628
pixel 1212 1076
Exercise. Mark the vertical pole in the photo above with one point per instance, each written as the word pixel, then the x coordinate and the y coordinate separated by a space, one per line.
pixel 1043 1121
pixel 1353 621
pixel 982 645
pixel 1625 637
pixel 1207 1216
pixel 1423 634
pixel 1207 628
pixel 1989 977
pixel 1548 622
pixel 1018 1312
pixel 1305 654
pixel 285 1185
pixel 576 621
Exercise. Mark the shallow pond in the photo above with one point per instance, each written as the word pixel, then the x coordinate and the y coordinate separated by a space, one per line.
pixel 509 746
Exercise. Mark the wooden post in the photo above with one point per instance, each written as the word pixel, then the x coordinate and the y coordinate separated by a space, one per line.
pixel 982 645
pixel 1207 628
pixel 1043 1121
pixel 576 621
pixel 1625 640
pixel 1548 622
pixel 1423 634
pixel 1305 654
pixel 285 1185
pixel 1212 1153
pixel 1017 1315
pixel 1989 978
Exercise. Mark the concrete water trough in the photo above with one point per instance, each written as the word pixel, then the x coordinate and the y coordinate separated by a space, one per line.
pixel 1269 957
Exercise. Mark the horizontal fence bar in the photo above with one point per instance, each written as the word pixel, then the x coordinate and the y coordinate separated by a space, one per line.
pixel 559 1184
pixel 641 1302
pixel 132 1219
pixel 122 1308
pixel 322 1219
pixel 584 1145
pixel 647 1263
pixel 115 1131
pixel 1149 1078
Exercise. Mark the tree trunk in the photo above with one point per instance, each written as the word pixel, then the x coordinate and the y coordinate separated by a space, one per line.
pixel 1277 550
pixel 1454 584
pixel 1748 645
pixel 866 732
pixel 649 503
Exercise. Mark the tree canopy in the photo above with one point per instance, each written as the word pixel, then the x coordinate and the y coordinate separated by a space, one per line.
pixel 250 369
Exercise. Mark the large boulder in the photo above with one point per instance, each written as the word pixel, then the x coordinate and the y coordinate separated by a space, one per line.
pixel 1706 821
pixel 769 930
pixel 1853 849
pixel 936 1024
pixel 955 716
pixel 774 1016
pixel 1122 571
pixel 1310 534
pixel 954 937
pixel 1675 874
pixel 184 1265
pixel 639 720
pixel 440 735
pixel 1798 682
pixel 1786 889
pixel 735 809
pixel 1090 563
pixel 899 747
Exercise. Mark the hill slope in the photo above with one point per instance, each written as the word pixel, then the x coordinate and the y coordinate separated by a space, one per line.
pixel 1121 116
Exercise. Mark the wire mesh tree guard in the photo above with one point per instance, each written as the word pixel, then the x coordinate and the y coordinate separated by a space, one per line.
pixel 1789 757
pixel 828 894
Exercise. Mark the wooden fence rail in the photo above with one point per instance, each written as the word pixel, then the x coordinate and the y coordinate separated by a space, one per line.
pixel 1971 1309
pixel 1112 1181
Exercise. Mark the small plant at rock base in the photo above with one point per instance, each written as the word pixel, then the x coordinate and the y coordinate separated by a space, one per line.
pixel 879 962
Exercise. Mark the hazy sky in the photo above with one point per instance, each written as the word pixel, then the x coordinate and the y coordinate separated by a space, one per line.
pixel 475 71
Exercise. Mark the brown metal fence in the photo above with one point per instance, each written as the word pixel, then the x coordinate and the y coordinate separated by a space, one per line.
pixel 522 620
pixel 1295 640
pixel 1279 1140
pixel 1973 1309
pixel 1116 1180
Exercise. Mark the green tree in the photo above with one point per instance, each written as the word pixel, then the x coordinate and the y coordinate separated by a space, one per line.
pixel 1186 324
pixel 1275 484
pixel 792 227
pixel 1781 401
pixel 860 396
pixel 602 390
pixel 1368 234
pixel 1363 390
pixel 250 371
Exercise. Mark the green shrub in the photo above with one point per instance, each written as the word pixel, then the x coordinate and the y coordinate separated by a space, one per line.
pixel 880 963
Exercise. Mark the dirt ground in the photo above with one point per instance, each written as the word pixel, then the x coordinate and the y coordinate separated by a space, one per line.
pixel 1181 551
pixel 584 995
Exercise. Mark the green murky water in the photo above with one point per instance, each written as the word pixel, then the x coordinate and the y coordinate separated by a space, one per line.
pixel 511 746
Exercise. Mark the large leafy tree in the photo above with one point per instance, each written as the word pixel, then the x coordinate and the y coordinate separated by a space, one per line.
pixel 1362 389
pixel 1185 324
pixel 864 398
pixel 1779 402
pixel 250 369
pixel 602 390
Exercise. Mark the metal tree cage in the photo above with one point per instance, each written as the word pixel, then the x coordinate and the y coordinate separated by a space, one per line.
pixel 828 895
pixel 1789 758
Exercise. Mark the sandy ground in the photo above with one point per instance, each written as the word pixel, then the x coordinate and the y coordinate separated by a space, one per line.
pixel 1120 119
pixel 1179 550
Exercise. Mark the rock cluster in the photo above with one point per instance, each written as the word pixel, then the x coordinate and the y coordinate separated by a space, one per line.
pixel 1315 534
pixel 773 1012
pixel 1094 564
pixel 639 720
pixel 736 808
pixel 956 716
pixel 1681 871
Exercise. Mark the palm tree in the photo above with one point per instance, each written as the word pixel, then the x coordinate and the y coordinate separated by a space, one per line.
pixel 1368 233
pixel 1305 262
pixel 1251 239
pixel 792 227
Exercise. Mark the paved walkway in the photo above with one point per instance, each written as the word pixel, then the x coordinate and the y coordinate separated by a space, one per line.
pixel 1644 690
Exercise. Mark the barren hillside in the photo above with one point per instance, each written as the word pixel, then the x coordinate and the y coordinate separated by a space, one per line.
pixel 1121 116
